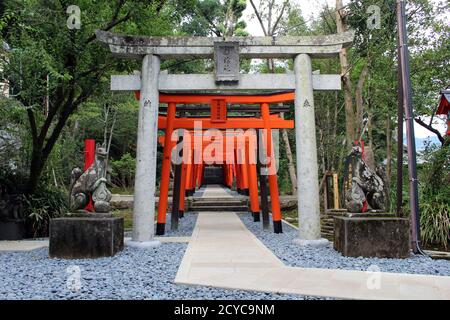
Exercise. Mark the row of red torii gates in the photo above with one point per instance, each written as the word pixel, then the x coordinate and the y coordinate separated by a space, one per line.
pixel 246 157
pixel 158 86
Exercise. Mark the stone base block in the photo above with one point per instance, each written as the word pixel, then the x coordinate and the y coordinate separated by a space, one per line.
pixel 85 237
pixel 372 237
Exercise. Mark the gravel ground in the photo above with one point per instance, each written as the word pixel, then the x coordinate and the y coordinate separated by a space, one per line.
pixel 131 274
pixel 295 256
pixel 185 226
pixel 149 274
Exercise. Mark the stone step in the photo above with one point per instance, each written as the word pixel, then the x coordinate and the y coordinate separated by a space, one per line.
pixel 218 208
pixel 218 204
pixel 220 199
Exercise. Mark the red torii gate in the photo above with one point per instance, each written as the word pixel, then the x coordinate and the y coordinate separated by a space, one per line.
pixel 238 163
pixel 242 169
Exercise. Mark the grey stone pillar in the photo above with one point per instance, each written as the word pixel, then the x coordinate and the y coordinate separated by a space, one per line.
pixel 144 186
pixel 306 150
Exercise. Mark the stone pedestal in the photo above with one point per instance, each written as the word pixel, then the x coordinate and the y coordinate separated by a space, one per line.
pixel 372 237
pixel 85 237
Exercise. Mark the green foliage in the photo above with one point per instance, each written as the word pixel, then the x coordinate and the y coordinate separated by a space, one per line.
pixel 435 173
pixel 123 171
pixel 435 196
pixel 41 206
pixel 435 221
pixel 69 67
pixel 14 141
pixel 214 17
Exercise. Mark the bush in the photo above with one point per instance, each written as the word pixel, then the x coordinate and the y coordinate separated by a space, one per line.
pixel 40 207
pixel 435 196
pixel 435 222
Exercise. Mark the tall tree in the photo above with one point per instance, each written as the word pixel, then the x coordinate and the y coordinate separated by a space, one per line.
pixel 44 44
pixel 350 117
pixel 270 16
pixel 219 18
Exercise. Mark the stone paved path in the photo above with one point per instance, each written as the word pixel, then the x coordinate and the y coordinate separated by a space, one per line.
pixel 224 253
pixel 215 191
pixel 28 245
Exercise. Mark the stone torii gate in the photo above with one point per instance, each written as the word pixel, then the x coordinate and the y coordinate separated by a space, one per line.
pixel 226 53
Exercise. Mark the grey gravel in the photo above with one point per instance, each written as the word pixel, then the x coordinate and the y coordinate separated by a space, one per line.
pixel 131 274
pixel 185 225
pixel 328 258
pixel 149 274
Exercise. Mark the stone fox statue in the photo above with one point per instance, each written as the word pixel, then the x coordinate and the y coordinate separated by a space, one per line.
pixel 366 185
pixel 90 184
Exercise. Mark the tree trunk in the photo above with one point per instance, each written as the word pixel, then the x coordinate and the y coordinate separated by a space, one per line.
pixel 36 168
pixel 359 99
pixel 388 160
pixel 350 131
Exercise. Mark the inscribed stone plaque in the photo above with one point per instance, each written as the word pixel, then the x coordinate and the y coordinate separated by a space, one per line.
pixel 226 58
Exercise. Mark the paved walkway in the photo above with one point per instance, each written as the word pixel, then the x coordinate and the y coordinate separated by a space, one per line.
pixel 215 191
pixel 22 245
pixel 223 253
pixel 27 245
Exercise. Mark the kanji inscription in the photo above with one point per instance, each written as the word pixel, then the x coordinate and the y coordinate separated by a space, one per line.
pixel 226 58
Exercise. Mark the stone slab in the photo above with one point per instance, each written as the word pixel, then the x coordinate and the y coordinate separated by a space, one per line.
pixel 189 82
pixel 321 46
pixel 223 253
pixel 79 238
pixel 372 237
pixel 22 245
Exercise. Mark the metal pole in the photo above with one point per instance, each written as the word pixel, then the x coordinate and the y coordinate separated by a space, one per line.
pixel 399 131
pixel 407 102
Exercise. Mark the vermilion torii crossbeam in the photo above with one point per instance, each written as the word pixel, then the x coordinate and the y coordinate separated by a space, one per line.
pixel 235 99
pixel 231 123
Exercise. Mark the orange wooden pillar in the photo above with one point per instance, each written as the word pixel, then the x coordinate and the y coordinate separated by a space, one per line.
pixel 189 172
pixel 244 172
pixel 238 171
pixel 202 174
pixel 184 169
pixel 230 175
pixel 224 174
pixel 165 171
pixel 199 175
pixel 272 176
pixel 252 180
pixel 241 172
pixel 233 168
pixel 242 162
pixel 194 177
